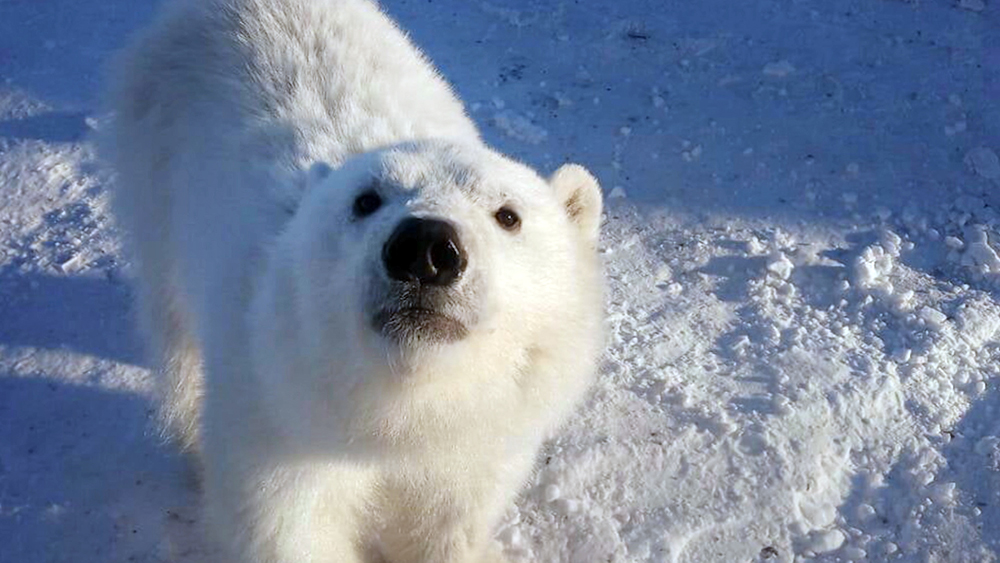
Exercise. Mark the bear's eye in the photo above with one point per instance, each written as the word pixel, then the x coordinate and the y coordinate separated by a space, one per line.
pixel 366 204
pixel 508 219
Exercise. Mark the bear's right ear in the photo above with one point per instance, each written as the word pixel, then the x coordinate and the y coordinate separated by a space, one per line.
pixel 580 195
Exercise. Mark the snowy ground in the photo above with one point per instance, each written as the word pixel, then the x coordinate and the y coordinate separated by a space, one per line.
pixel 804 285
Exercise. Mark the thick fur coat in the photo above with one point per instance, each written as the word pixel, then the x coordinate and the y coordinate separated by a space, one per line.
pixel 364 320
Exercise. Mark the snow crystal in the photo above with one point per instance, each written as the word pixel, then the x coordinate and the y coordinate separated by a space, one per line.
pixel 513 540
pixel 663 274
pixel 956 128
pixel 853 553
pixel 987 445
pixel 519 127
pixel 984 161
pixel 872 268
pixel 979 254
pixel 891 242
pixel 865 511
pixel 551 493
pixel 943 493
pixel 693 154
pixel 779 265
pixel 902 355
pixel 972 5
pixel 755 246
pixel 935 319
pixel 778 69
pixel 567 506
pixel 824 542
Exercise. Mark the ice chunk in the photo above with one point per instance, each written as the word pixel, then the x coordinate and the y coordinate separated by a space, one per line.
pixel 872 268
pixel 824 542
pixel 779 265
pixel 935 319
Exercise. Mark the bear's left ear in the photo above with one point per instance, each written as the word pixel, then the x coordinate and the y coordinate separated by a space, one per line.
pixel 580 195
pixel 317 173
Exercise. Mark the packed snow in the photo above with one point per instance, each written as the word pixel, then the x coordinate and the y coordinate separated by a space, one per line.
pixel 802 246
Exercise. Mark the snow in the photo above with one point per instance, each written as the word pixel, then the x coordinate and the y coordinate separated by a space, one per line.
pixel 519 127
pixel 984 162
pixel 803 261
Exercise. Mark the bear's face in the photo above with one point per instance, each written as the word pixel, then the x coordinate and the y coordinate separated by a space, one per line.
pixel 415 275
pixel 424 245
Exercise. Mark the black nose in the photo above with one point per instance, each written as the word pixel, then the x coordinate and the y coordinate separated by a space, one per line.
pixel 425 251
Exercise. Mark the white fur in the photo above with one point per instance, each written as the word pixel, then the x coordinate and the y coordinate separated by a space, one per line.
pixel 244 130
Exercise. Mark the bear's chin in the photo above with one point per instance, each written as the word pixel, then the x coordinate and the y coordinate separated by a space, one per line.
pixel 410 326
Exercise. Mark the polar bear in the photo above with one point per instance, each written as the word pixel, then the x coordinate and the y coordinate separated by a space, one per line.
pixel 364 320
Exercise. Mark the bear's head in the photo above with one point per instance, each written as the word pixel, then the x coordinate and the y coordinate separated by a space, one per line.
pixel 413 279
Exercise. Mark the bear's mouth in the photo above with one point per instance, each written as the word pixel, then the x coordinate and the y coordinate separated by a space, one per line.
pixel 413 324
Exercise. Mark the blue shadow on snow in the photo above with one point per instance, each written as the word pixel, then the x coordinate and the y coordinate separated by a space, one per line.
pixel 83 479
pixel 89 315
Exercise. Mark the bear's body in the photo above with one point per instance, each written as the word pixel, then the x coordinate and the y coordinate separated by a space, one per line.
pixel 365 321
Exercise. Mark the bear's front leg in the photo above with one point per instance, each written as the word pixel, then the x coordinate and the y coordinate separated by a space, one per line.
pixel 438 544
pixel 439 519
pixel 287 515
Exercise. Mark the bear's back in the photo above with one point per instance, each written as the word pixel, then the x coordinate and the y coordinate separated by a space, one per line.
pixel 301 79
pixel 221 104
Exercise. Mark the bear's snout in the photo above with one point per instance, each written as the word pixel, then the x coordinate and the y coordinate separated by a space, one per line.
pixel 426 251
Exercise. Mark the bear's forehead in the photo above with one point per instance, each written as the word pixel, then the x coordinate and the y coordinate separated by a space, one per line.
pixel 418 173
pixel 475 172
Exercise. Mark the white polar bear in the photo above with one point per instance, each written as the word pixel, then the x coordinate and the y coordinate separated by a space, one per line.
pixel 365 320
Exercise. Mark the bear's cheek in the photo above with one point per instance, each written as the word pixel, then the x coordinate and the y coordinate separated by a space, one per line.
pixel 505 296
pixel 537 285
pixel 332 283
